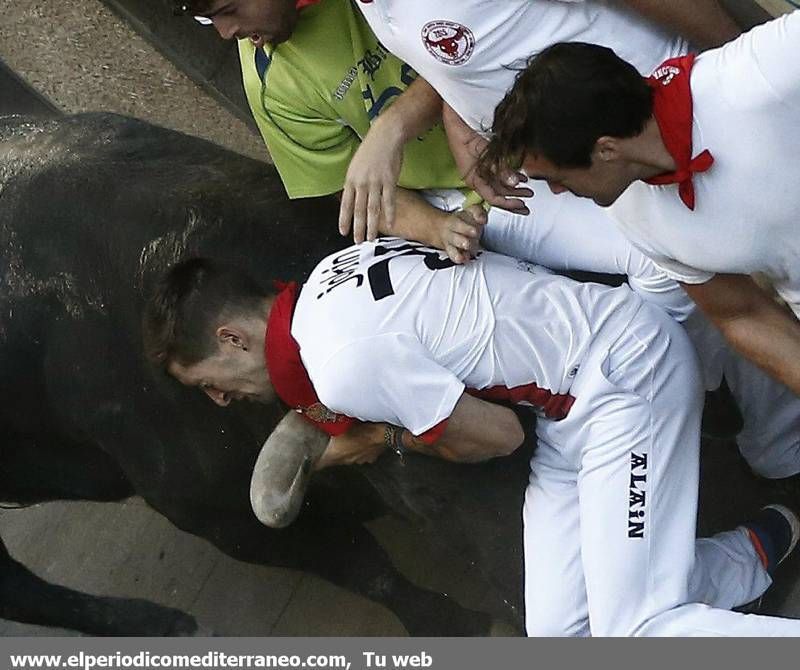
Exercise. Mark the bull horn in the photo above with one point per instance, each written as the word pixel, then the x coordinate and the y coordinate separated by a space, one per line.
pixel 283 470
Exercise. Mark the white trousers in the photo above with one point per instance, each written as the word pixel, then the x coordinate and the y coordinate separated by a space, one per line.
pixel 568 233
pixel 609 515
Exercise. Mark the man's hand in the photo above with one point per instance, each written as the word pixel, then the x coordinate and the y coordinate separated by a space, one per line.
pixel 467 146
pixel 368 195
pixel 369 187
pixel 361 444
pixel 459 233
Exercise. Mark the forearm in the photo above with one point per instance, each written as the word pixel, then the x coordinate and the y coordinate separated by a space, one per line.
pixel 415 219
pixel 753 323
pixel 414 112
pixel 704 22
pixel 771 339
pixel 476 431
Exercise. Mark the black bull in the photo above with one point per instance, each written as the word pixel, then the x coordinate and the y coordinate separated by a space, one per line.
pixel 93 208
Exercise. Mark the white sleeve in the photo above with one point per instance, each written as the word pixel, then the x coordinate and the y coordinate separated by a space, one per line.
pixel 772 50
pixel 760 65
pixel 682 273
pixel 562 234
pixel 391 378
pixel 582 236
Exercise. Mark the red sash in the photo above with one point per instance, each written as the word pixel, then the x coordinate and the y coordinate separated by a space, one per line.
pixel 672 108
pixel 286 370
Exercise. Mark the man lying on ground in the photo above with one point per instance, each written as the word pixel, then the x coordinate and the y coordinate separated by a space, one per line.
pixel 391 345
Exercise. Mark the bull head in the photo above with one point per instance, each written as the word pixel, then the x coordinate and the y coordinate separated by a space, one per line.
pixel 449 44
pixel 283 470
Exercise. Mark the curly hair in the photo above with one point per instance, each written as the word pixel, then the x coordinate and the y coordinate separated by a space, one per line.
pixel 567 96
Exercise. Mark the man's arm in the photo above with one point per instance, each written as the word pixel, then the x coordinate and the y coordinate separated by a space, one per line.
pixel 754 324
pixel 476 431
pixel 705 22
pixel 369 188
pixel 456 233
pixel 503 190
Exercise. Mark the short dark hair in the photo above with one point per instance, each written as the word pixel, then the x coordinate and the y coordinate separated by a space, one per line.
pixel 568 96
pixel 181 317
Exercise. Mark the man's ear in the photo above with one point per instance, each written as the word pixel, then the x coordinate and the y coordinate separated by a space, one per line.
pixel 232 337
pixel 606 149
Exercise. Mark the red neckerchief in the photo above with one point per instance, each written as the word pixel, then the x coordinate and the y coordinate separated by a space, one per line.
pixel 286 370
pixel 305 3
pixel 672 108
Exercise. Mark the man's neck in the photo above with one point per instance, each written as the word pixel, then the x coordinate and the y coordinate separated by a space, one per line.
pixel 648 154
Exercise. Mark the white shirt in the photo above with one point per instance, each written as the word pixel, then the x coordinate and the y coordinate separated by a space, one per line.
pixel 747 212
pixel 471 50
pixel 393 331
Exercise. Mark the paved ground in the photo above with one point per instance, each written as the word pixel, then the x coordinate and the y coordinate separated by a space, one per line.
pixel 81 56
pixel 129 550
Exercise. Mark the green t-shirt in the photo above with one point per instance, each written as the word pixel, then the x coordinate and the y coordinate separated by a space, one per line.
pixel 314 97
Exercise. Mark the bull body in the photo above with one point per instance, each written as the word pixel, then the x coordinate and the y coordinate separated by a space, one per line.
pixel 93 209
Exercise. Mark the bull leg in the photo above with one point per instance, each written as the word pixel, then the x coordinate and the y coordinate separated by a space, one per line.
pixel 27 598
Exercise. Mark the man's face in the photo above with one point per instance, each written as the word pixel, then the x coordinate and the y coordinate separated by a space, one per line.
pixel 602 182
pixel 262 21
pixel 226 376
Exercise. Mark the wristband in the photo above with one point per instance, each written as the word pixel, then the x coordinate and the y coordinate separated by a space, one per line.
pixel 393 439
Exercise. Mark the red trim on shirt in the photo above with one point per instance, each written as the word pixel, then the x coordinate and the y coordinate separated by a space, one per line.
pixel 555 406
pixel 286 371
pixel 672 109
pixel 300 4
pixel 433 434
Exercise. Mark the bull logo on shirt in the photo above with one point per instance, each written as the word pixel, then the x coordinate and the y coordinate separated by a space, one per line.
pixel 451 43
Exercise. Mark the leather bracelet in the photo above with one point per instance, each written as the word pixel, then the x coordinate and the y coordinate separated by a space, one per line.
pixel 393 439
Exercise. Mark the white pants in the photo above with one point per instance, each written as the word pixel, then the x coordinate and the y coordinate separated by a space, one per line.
pixel 609 515
pixel 568 233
